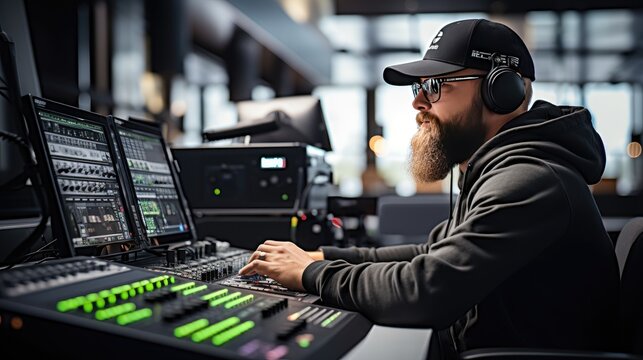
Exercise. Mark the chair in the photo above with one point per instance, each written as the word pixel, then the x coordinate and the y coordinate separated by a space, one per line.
pixel 629 254
pixel 410 219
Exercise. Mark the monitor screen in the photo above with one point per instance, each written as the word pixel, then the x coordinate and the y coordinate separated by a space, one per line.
pixel 302 120
pixel 160 202
pixel 76 159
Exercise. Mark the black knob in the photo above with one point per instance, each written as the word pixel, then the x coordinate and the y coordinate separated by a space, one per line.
pixel 170 257
pixel 181 255
pixel 208 249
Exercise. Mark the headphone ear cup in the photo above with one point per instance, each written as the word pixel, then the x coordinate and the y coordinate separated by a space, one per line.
pixel 503 90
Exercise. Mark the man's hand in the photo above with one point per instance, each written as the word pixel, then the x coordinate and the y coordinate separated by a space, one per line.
pixel 283 261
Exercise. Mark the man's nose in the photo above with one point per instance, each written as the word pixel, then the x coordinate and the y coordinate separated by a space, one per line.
pixel 420 103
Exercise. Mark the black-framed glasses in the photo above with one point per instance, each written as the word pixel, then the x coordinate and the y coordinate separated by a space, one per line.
pixel 431 87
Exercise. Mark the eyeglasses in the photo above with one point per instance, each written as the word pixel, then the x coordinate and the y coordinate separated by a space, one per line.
pixel 431 87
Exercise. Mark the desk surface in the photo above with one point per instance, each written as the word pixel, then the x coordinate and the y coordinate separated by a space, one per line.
pixel 384 342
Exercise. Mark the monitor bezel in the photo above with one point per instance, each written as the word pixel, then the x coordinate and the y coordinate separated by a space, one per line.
pixel 154 129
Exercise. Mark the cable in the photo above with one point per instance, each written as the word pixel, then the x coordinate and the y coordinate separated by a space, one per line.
pixel 27 257
pixel 31 254
pixel 300 202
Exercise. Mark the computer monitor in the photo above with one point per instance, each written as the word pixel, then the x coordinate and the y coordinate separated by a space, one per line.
pixel 83 177
pixel 159 199
pixel 303 120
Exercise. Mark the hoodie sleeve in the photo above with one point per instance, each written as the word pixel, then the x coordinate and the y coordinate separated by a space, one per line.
pixel 357 255
pixel 515 213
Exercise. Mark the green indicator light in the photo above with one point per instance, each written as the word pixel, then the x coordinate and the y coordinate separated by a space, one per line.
pixel 132 292
pixel 182 286
pixel 214 295
pixel 149 287
pixel 330 319
pixel 124 295
pixel 159 284
pixel 88 307
pixel 228 335
pixel 63 306
pixel 166 282
pixel 111 299
pixel 155 279
pixel 189 328
pixel 91 297
pixel 100 303
pixel 133 317
pixel 214 329
pixel 172 279
pixel 120 289
pixel 140 290
pixel 225 299
pixel 104 293
pixel 304 343
pixel 239 301
pixel 194 290
pixel 216 191
pixel 115 311
pixel 70 304
pixel 284 197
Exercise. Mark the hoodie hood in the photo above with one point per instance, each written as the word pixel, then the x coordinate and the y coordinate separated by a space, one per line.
pixel 550 133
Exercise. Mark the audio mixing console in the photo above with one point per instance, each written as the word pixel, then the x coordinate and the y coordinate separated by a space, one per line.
pixel 107 310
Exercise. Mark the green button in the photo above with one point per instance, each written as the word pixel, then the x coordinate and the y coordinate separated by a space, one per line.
pixel 239 301
pixel 115 311
pixel 225 299
pixel 88 307
pixel 100 303
pixel 189 328
pixel 194 290
pixel 304 343
pixel 214 295
pixel 228 335
pixel 332 318
pixel 183 286
pixel 70 304
pixel 214 329
pixel 133 317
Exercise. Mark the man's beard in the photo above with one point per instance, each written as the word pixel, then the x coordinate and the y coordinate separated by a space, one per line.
pixel 438 148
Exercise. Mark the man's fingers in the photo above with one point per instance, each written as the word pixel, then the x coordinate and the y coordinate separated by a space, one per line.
pixel 255 267
pixel 267 248
pixel 275 242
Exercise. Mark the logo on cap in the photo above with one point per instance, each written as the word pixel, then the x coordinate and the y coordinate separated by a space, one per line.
pixel 437 38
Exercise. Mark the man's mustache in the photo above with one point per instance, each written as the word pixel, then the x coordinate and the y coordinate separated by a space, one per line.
pixel 422 117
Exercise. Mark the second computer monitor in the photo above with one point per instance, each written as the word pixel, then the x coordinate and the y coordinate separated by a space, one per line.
pixel 160 203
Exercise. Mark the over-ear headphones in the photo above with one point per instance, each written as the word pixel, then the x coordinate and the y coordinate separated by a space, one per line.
pixel 503 89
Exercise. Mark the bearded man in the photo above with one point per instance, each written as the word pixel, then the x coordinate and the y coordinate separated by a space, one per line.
pixel 524 259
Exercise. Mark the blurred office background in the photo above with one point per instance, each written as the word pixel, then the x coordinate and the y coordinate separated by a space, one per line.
pixel 186 62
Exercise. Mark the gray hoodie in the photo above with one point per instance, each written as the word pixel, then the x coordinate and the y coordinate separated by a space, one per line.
pixel 526 261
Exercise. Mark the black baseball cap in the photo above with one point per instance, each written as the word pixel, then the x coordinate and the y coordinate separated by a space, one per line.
pixel 465 44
